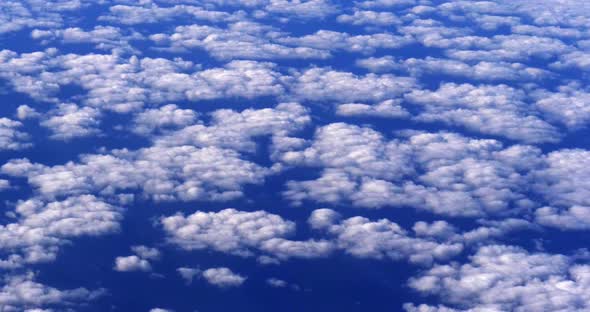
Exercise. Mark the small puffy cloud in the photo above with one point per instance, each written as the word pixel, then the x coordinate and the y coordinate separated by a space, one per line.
pixel 323 218
pixel 68 121
pixel 166 117
pixel 223 277
pixel 11 138
pixel 26 112
pixel 188 274
pixel 378 64
pixel 145 252
pixel 361 17
pixel 388 109
pixel 276 283
pixel 131 263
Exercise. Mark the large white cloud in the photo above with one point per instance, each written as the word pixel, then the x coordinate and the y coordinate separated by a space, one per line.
pixel 497 110
pixel 159 173
pixel 41 227
pixel 506 278
pixel 381 239
pixel 441 172
pixel 22 292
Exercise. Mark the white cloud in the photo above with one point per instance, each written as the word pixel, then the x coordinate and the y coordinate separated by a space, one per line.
pixel 381 239
pixel 505 278
pixel 21 292
pixel 160 310
pixel 223 277
pixel 564 184
pixel 123 85
pixel 324 84
pixel 334 41
pixel 228 230
pixel 166 117
pixel 242 40
pixel 103 37
pixel 11 138
pixel 18 15
pixel 145 252
pixel 160 173
pixel 569 106
pixel 378 64
pixel 458 175
pixel 131 263
pixel 152 13
pixel 388 108
pixel 276 283
pixel 237 130
pixel 497 110
pixel 26 112
pixel 188 274
pixel 361 17
pixel 41 227
pixel 68 121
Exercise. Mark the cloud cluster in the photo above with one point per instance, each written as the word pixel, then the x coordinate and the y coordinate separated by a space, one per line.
pixel 507 278
pixel 22 293
pixel 497 87
pixel 11 137
pixel 41 227
pixel 441 172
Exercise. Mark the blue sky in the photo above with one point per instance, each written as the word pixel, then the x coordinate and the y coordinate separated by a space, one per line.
pixel 310 155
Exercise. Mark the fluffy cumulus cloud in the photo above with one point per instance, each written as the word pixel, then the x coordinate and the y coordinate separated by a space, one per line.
pixel 381 239
pixel 464 122
pixel 194 162
pixel 564 184
pixel 190 173
pixel 223 277
pixel 23 293
pixel 240 233
pixel 506 278
pixel 238 130
pixel 131 263
pixel 140 261
pixel 455 175
pixel 11 137
pixel 41 227
pixel 247 40
pixel 497 110
pixel 122 84
pixel 69 121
